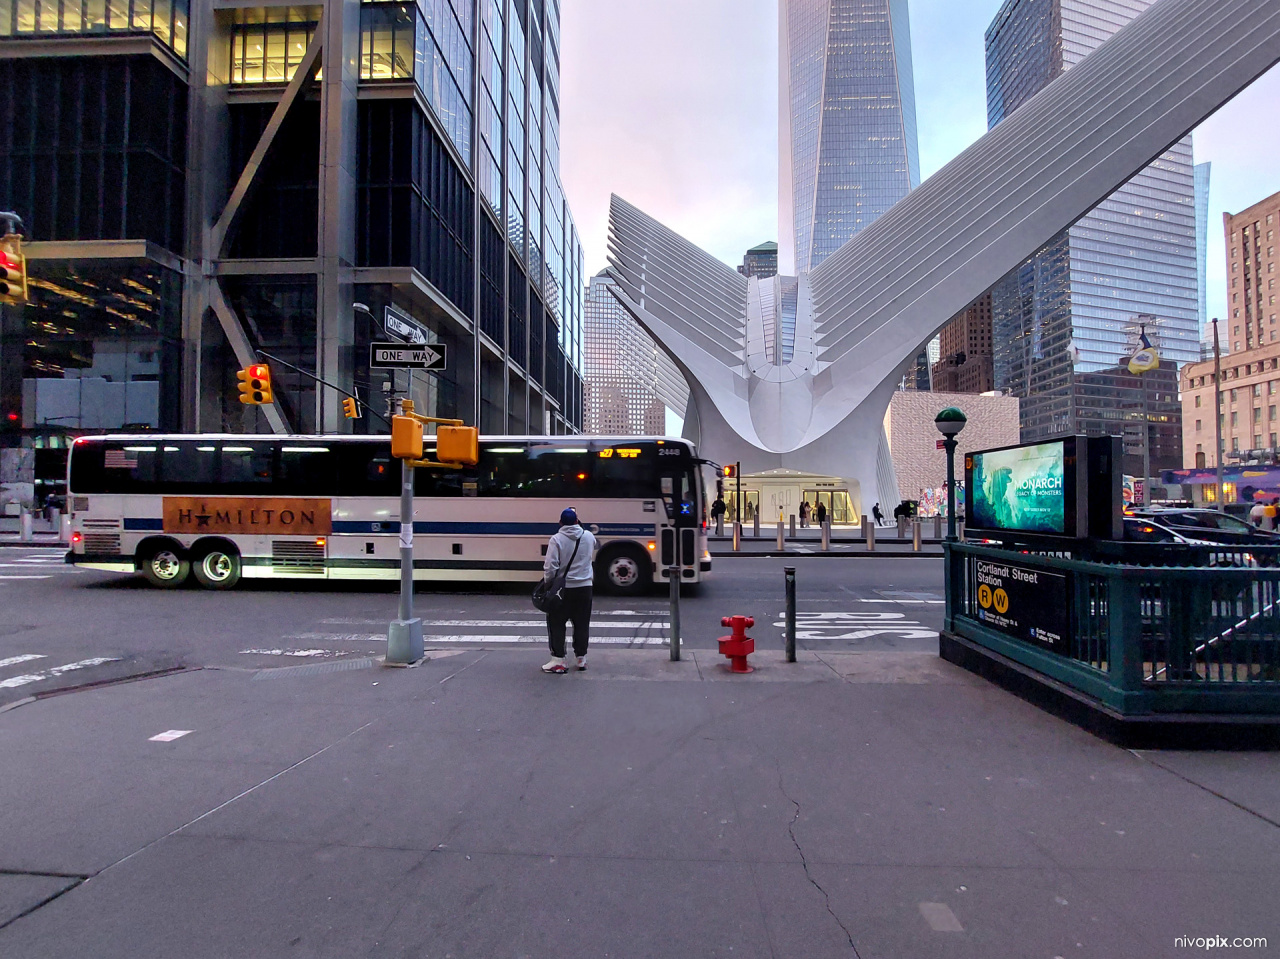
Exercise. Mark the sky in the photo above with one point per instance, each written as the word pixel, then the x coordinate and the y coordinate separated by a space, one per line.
pixel 673 105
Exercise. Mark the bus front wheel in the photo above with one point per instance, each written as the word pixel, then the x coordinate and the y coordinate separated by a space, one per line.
pixel 165 567
pixel 218 568
pixel 626 572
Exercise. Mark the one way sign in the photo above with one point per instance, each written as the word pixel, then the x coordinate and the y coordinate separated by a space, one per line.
pixel 398 356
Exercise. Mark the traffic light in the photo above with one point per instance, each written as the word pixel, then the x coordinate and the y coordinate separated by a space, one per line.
pixel 255 385
pixel 349 408
pixel 730 471
pixel 406 438
pixel 458 445
pixel 13 271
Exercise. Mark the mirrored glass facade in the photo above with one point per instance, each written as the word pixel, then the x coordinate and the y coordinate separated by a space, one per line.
pixel 849 136
pixel 420 173
pixel 1070 310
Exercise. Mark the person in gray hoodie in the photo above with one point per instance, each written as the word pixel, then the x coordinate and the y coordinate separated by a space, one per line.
pixel 579 575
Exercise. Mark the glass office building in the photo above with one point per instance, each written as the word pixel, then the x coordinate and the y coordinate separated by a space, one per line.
pixel 848 137
pixel 630 383
pixel 1064 319
pixel 205 183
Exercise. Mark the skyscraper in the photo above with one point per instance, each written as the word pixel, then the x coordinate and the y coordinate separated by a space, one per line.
pixel 629 382
pixel 1064 319
pixel 847 125
pixel 202 182
pixel 760 260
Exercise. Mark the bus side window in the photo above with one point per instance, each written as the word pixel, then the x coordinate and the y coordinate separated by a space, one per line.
pixel 246 466
pixel 305 469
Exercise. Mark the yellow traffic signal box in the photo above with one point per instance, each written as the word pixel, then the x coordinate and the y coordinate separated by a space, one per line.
pixel 406 438
pixel 255 385
pixel 350 409
pixel 13 271
pixel 458 445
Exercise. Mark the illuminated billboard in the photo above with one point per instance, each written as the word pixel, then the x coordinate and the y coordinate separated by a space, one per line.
pixel 1024 489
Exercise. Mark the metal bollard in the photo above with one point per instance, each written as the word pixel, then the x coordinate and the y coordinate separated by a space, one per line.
pixel 737 536
pixel 960 529
pixel 902 527
pixel 24 527
pixel 720 525
pixel 790 574
pixel 826 536
pixel 915 535
pixel 755 523
pixel 64 529
pixel 793 525
pixel 871 538
pixel 937 526
pixel 673 575
pixel 781 537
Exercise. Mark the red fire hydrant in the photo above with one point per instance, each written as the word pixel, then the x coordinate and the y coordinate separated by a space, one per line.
pixel 738 646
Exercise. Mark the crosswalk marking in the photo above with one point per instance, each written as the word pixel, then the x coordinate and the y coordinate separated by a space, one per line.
pixel 13 682
pixel 24 658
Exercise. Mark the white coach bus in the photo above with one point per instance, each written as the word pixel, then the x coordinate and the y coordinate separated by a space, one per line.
pixel 222 507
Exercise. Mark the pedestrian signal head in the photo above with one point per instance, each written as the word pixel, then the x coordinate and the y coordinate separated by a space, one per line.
pixel 406 438
pixel 458 445
pixel 730 471
pixel 255 385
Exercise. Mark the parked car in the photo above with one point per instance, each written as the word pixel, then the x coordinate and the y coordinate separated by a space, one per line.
pixel 1146 529
pixel 1209 524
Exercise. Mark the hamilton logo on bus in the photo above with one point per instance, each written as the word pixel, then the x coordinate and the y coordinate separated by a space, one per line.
pixel 266 516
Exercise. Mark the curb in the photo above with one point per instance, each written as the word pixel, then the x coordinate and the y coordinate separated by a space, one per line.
pixel 34 544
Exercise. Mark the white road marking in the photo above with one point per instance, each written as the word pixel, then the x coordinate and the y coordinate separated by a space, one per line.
pixel 852 625
pixel 24 658
pixel 291 652
pixel 940 917
pixel 170 735
pixel 20 576
pixel 15 681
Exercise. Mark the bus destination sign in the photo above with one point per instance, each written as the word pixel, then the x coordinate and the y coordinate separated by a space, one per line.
pixel 399 356
pixel 235 515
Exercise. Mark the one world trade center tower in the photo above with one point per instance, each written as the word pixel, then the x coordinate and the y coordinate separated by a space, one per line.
pixel 847 122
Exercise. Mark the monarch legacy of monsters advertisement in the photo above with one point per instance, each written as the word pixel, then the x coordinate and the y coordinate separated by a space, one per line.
pixel 1021 489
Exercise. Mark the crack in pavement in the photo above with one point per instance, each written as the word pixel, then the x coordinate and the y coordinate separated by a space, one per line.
pixel 804 861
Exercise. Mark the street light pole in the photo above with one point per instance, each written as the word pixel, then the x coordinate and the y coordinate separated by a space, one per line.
pixel 1217 410
pixel 949 423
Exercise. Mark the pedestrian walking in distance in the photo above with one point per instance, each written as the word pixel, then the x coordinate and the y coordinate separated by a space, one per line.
pixel 570 553
pixel 822 514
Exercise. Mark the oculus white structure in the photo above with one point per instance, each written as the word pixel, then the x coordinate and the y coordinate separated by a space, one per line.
pixel 862 314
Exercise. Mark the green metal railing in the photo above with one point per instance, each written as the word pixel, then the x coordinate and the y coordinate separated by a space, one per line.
pixel 1143 636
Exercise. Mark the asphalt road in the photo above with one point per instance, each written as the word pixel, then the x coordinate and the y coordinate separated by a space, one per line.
pixel 66 627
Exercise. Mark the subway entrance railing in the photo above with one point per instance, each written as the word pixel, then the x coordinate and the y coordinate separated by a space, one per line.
pixel 1141 630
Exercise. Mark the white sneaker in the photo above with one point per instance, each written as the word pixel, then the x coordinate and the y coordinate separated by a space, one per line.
pixel 582 663
pixel 555 666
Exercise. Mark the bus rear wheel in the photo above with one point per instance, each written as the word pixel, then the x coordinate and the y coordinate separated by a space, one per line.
pixel 626 572
pixel 165 567
pixel 217 568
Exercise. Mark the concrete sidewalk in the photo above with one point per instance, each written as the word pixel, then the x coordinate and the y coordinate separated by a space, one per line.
pixel 852 804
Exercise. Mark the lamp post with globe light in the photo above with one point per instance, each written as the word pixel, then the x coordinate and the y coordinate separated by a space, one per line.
pixel 950 422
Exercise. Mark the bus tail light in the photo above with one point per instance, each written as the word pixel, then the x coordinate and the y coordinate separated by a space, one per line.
pixel 320 541
pixel 76 538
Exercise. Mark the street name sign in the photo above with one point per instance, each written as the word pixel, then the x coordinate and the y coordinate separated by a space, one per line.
pixel 399 356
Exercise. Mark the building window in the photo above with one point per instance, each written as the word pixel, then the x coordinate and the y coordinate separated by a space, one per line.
pixel 166 20
pixel 1200 426
pixel 1235 419
pixel 267 46
pixel 1197 401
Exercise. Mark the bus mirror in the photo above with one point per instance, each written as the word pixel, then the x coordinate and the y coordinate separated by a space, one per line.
pixel 406 438
pixel 458 445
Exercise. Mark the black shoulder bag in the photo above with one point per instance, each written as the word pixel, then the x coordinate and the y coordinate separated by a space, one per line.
pixel 548 595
